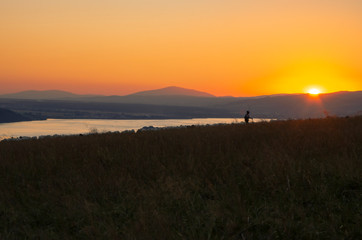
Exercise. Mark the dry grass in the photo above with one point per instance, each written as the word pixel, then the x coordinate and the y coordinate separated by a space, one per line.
pixel 279 180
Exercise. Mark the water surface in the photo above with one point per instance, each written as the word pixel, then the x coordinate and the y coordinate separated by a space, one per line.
pixel 83 126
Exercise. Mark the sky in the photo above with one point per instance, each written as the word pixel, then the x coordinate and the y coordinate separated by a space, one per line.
pixel 224 47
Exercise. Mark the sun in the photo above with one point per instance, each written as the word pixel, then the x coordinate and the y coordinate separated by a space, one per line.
pixel 314 91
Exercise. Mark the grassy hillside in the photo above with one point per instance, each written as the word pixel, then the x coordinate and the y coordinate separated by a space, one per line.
pixel 278 180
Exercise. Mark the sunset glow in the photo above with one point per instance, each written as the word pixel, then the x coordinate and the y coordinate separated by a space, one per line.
pixel 314 91
pixel 226 48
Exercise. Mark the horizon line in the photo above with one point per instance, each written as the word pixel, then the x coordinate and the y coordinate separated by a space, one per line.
pixel 212 95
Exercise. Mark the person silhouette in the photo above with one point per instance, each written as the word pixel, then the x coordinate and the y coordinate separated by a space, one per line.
pixel 247 117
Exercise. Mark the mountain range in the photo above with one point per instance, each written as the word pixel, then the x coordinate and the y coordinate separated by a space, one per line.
pixel 175 102
pixel 61 95
pixel 173 91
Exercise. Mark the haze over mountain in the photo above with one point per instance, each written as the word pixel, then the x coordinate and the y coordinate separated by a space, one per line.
pixel 173 91
pixel 58 94
pixel 174 102
pixel 170 96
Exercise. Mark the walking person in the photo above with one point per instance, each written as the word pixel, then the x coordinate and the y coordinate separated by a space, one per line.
pixel 247 117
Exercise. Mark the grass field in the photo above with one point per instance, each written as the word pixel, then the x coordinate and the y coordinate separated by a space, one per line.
pixel 298 179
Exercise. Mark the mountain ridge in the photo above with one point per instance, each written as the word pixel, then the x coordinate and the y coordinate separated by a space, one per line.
pixel 60 94
pixel 173 91
pixel 284 106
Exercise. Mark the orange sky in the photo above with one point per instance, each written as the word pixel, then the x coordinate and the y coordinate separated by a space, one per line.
pixel 224 47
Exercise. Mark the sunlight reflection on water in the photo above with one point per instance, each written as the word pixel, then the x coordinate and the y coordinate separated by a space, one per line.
pixel 82 126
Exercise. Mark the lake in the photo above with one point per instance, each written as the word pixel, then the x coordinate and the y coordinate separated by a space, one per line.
pixel 83 126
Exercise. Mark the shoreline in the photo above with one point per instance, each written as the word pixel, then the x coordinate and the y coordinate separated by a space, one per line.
pixel 65 127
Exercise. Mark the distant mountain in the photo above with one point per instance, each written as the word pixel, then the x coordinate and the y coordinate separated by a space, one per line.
pixel 174 91
pixel 174 102
pixel 7 116
pixel 49 94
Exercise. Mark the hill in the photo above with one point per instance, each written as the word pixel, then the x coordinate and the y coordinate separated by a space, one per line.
pixel 297 179
pixel 7 116
pixel 174 91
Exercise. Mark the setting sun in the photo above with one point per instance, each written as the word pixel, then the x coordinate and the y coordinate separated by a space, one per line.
pixel 225 48
pixel 314 91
